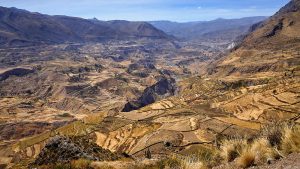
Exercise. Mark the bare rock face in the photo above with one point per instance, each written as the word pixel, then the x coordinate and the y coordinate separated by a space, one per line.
pixel 276 29
pixel 163 88
pixel 61 149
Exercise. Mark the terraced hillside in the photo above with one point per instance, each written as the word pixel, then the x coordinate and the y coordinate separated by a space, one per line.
pixel 180 124
pixel 69 82
pixel 254 86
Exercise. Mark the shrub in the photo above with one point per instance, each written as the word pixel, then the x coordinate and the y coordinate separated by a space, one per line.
pixel 65 115
pixel 172 162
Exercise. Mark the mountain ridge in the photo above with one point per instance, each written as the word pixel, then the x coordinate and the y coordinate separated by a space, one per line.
pixel 20 27
pixel 271 47
pixel 207 29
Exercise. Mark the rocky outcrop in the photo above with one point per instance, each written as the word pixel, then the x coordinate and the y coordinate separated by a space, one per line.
pixel 163 88
pixel 62 149
pixel 276 29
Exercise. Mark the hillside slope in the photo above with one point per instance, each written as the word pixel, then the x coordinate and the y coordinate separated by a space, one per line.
pixel 20 27
pixel 272 48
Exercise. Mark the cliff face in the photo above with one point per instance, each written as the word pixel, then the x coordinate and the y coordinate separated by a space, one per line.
pixel 163 88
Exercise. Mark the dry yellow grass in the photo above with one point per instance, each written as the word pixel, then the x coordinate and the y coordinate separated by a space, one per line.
pixel 263 151
pixel 257 153
pixel 188 162
pixel 247 158
pixel 291 139
pixel 80 164
pixel 230 149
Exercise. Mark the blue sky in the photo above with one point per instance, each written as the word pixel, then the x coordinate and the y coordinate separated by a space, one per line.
pixel 147 10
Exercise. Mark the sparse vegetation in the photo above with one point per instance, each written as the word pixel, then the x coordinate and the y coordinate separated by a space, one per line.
pixel 182 162
pixel 275 142
pixel 291 139
pixel 80 164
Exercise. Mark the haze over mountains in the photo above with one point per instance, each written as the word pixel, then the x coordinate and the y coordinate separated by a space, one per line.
pixel 219 29
pixel 20 27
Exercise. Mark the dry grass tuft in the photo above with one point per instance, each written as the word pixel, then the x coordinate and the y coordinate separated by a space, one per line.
pixel 230 149
pixel 274 141
pixel 258 152
pixel 180 162
pixel 291 139
pixel 273 133
pixel 192 163
pixel 246 158
pixel 263 151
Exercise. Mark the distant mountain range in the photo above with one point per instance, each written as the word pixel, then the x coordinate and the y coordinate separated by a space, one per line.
pixel 219 29
pixel 20 27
